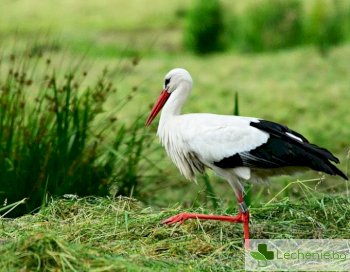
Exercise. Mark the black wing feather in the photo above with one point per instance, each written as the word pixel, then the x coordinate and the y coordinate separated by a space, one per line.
pixel 282 150
pixel 278 130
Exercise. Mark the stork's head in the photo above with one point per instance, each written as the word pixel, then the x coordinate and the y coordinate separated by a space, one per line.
pixel 176 81
pixel 175 78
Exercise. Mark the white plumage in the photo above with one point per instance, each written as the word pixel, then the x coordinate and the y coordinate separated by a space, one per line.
pixel 211 137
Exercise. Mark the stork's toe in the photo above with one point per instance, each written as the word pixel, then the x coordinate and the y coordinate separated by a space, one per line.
pixel 179 218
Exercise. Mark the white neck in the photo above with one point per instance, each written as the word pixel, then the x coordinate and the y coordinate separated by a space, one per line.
pixel 174 104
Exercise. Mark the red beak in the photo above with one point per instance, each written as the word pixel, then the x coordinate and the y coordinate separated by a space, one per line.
pixel 163 97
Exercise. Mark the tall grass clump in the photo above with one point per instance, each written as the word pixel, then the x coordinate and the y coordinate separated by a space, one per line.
pixel 270 25
pixel 325 23
pixel 50 141
pixel 266 25
pixel 205 27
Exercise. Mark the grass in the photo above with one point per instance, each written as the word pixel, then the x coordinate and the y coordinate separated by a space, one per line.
pixel 108 234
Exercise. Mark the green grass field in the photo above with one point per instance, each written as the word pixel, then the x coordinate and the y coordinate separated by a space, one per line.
pixel 299 87
pixel 103 234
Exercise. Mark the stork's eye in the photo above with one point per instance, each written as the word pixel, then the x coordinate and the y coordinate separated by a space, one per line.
pixel 167 81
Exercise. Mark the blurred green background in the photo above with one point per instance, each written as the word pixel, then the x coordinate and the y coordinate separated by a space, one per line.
pixel 77 79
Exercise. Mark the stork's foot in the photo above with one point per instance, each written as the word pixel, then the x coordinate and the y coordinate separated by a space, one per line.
pixel 179 218
pixel 241 217
pixel 182 217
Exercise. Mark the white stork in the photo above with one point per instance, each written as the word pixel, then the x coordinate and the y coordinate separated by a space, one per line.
pixel 236 148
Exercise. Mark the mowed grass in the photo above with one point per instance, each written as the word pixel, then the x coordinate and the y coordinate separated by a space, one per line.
pixel 121 234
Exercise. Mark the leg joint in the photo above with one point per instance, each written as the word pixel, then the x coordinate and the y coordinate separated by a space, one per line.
pixel 243 207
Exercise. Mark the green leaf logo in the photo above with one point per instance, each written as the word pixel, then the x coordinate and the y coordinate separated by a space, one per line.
pixel 268 254
pixel 262 255
pixel 258 256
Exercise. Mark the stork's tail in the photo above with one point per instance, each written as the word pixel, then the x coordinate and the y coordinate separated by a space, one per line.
pixel 331 169
pixel 321 160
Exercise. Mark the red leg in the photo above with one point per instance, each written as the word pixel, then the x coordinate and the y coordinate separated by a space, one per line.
pixel 182 217
pixel 241 217
pixel 245 214
pixel 246 229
